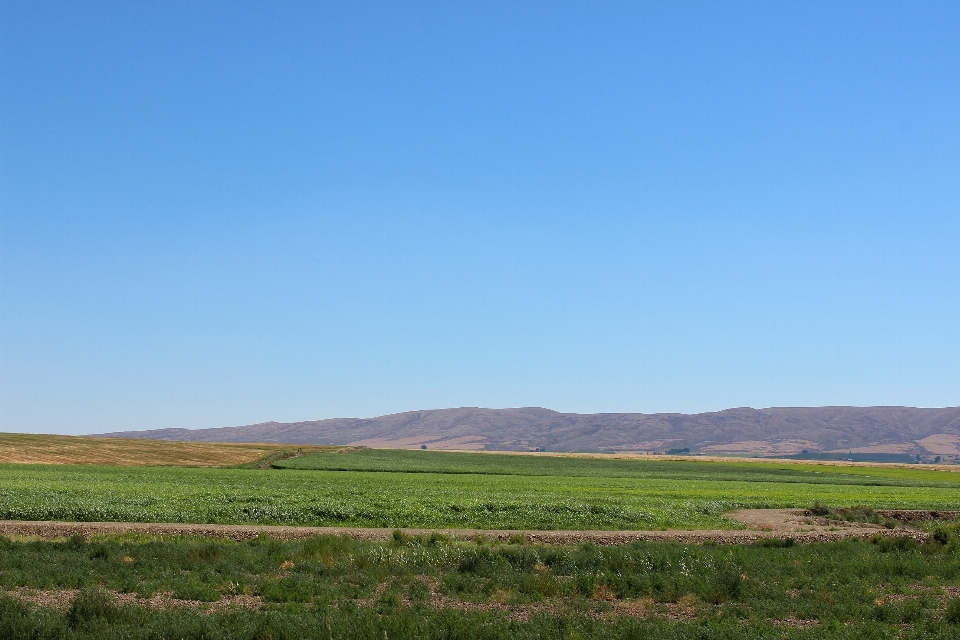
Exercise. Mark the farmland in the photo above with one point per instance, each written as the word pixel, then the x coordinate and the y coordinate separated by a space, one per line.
pixel 442 490
pixel 599 465
pixel 137 585
pixel 27 448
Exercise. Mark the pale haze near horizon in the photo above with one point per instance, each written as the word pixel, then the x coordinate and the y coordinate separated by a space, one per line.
pixel 230 213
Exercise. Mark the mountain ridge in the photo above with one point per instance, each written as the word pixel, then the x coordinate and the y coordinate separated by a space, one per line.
pixel 741 430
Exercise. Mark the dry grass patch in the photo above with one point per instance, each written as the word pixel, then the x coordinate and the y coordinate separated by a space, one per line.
pixel 50 449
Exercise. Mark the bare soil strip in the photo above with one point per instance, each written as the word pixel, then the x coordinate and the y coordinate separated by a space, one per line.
pixel 798 524
pixel 61 599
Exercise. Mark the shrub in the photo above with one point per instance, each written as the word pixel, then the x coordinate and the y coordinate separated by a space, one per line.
pixel 603 592
pixel 521 558
pixel 725 584
pixel 953 611
pixel 75 542
pixel 540 582
pixel 819 509
pixel 775 543
pixel 476 561
pixel 196 589
pixel 418 592
pixel 99 553
pixel 92 606
pixel 388 601
pixel 289 589
pixel 941 535
pixel 18 620
pixel 901 543
pixel 436 538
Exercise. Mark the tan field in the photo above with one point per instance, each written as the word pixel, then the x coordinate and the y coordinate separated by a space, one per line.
pixel 49 449
pixel 632 455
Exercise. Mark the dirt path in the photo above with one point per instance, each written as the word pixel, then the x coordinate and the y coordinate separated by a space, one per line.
pixel 798 524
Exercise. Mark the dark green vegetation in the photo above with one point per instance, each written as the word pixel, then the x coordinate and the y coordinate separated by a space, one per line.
pixel 399 460
pixel 434 588
pixel 439 490
pixel 855 514
pixel 861 457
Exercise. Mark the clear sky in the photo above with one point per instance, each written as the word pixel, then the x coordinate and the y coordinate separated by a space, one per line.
pixel 215 214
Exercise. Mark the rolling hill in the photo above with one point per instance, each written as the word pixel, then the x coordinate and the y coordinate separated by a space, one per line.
pixel 775 431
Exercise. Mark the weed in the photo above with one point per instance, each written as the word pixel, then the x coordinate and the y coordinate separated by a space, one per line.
pixel 91 606
pixel 287 589
pixel 942 535
pixel 366 587
pixel 953 611
pixel 819 508
pixel 774 543
pixel 603 592
pixel 726 583
pixel 887 544
pixel 196 589
pixel 437 538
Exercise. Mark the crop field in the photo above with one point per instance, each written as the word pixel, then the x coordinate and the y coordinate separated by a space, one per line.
pixel 593 465
pixel 433 586
pixel 449 490
pixel 48 449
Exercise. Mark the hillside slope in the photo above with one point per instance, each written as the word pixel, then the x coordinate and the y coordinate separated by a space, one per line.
pixel 774 431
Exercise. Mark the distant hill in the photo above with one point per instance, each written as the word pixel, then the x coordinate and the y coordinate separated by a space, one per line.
pixel 776 431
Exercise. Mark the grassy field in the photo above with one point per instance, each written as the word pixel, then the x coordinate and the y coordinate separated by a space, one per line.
pixel 413 461
pixel 449 490
pixel 329 587
pixel 25 448
pixel 387 458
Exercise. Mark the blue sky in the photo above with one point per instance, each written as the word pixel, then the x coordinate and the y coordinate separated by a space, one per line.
pixel 215 214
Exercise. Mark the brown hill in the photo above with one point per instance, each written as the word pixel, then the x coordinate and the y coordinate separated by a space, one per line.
pixel 774 431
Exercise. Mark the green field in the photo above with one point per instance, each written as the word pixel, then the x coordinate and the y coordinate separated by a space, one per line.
pixel 432 587
pixel 136 586
pixel 407 461
pixel 439 490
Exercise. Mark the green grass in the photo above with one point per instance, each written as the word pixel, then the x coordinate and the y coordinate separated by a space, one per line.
pixel 433 588
pixel 330 587
pixel 406 461
pixel 460 490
